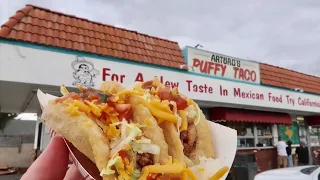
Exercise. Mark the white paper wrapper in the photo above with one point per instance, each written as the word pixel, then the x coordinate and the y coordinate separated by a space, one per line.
pixel 224 140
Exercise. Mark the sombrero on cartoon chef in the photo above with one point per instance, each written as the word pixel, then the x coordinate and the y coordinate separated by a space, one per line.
pixel 79 61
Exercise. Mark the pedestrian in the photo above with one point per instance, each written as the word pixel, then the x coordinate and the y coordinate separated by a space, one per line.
pixel 282 153
pixel 303 154
pixel 289 150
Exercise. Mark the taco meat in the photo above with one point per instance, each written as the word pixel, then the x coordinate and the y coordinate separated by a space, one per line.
pixel 189 138
pixel 144 159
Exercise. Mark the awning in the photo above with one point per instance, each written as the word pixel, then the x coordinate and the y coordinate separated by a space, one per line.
pixel 312 120
pixel 243 115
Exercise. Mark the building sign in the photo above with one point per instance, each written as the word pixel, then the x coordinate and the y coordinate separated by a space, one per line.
pixel 53 68
pixel 214 64
pixel 289 132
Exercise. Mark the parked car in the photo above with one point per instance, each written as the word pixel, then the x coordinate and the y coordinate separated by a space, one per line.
pixel 293 173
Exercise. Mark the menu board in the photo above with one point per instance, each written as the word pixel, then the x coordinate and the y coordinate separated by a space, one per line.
pixel 289 132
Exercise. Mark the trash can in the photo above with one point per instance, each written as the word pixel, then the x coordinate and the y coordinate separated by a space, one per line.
pixel 245 166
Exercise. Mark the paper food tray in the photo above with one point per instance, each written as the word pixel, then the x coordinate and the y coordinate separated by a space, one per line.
pixel 224 141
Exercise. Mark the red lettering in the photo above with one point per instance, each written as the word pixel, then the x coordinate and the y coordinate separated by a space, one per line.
pixel 196 62
pixel 210 67
pixel 224 68
pixel 189 84
pixel 236 69
pixel 217 68
pixel 253 76
pixel 167 83
pixel 105 74
pixel 244 74
pixel 247 74
pixel 174 84
pixel 199 88
pixel 139 77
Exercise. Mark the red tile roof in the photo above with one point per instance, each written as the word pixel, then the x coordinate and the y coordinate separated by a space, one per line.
pixel 43 26
pixel 280 77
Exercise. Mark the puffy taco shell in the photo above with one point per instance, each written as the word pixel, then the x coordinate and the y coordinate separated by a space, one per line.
pixel 142 116
pixel 81 131
pixel 204 146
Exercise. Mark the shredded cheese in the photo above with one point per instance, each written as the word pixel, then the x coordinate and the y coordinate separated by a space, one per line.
pixel 167 169
pixel 219 173
pixel 157 83
pixel 145 173
pixel 160 114
pixel 73 111
pixel 94 108
pixel 184 175
pixel 82 107
pixel 184 124
pixel 190 174
pixel 200 169
pixel 111 131
pixel 64 90
pixel 147 122
pixel 162 106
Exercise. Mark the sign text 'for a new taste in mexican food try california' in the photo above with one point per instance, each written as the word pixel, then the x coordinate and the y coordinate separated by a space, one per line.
pixel 54 68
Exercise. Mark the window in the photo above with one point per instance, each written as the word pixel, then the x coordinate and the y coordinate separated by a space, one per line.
pixel 251 134
pixel 264 134
pixel 314 135
pixel 244 131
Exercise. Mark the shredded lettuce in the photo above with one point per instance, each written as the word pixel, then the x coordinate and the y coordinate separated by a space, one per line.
pixel 136 175
pixel 134 132
pixel 107 170
pixel 115 142
pixel 145 148
pixel 143 140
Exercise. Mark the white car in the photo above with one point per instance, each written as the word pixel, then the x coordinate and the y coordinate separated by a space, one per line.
pixel 294 173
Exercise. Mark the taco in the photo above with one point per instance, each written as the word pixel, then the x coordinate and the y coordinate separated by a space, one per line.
pixel 185 127
pixel 102 126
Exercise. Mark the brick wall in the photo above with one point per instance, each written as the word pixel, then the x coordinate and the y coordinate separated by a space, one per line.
pixel 315 151
pixel 266 158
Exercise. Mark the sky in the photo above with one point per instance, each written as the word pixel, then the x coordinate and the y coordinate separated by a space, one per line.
pixel 284 33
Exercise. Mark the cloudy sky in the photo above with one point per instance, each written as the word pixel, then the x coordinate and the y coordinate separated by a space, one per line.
pixel 285 33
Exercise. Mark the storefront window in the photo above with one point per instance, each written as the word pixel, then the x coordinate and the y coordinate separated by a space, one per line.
pixel 244 131
pixel 264 133
pixel 314 135
pixel 251 134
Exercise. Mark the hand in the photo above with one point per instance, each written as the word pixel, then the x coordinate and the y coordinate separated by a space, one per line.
pixel 52 164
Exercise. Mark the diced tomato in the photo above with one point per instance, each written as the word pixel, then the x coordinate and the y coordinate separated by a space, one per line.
pixel 165 94
pixel 124 110
pixel 124 155
pixel 181 103
pixel 147 85
pixel 92 97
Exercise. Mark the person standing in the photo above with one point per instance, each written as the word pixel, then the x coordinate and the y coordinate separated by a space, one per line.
pixel 289 153
pixel 282 153
pixel 303 154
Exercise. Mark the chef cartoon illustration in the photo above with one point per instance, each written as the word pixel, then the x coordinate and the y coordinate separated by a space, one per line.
pixel 84 72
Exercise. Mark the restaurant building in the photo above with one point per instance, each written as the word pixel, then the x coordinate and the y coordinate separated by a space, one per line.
pixel 40 48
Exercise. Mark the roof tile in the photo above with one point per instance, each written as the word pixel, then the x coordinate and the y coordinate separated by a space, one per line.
pixel 280 77
pixel 43 26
